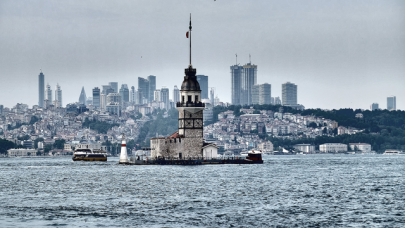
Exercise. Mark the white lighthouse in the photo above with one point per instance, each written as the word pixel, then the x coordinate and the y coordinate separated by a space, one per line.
pixel 124 155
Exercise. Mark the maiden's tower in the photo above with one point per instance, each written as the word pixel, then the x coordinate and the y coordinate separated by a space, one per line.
pixel 188 140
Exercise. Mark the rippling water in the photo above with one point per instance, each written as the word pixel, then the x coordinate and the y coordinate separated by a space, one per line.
pixel 286 191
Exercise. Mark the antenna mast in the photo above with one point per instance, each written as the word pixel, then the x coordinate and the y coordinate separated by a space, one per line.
pixel 236 59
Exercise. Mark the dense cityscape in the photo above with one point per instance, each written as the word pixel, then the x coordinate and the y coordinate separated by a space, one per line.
pixel 99 120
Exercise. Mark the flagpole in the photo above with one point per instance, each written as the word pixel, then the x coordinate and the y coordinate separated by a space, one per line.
pixel 190 39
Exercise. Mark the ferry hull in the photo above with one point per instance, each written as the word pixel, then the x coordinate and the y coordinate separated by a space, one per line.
pixel 89 158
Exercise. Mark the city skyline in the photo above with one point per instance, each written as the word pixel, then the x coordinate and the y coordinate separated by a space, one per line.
pixel 322 47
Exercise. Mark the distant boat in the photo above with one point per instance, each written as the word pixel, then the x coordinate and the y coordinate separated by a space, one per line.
pixel 89 155
pixel 392 152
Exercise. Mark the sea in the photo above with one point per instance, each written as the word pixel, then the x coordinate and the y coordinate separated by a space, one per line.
pixel 285 191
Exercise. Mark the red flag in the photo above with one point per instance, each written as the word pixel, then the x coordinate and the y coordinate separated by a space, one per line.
pixel 187 34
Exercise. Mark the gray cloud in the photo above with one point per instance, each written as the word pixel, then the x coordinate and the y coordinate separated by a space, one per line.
pixel 340 53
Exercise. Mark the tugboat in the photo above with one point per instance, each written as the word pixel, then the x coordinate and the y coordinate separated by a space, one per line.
pixel 254 157
pixel 89 155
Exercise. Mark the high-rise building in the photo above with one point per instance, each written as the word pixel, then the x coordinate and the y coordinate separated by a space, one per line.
pixel 289 93
pixel 261 94
pixel 277 101
pixel 255 94
pixel 265 94
pixel 157 96
pixel 114 86
pixel 374 106
pixel 152 87
pixel 392 103
pixel 164 93
pixel 114 98
pixel 124 92
pixel 48 95
pixel 203 81
pixel 140 97
pixel 212 96
pixel 83 97
pixel 1 109
pixel 132 95
pixel 58 95
pixel 41 89
pixel 96 98
pixel 143 84
pixel 176 95
pixel 236 77
pixel 249 78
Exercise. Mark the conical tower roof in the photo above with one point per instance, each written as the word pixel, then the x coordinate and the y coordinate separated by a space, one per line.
pixel 82 98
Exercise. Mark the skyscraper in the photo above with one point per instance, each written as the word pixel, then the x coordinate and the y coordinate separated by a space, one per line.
pixel 249 78
pixel 164 93
pixel 176 95
pixel 152 87
pixel 96 98
pixel 114 86
pixel 82 98
pixel 157 96
pixel 374 106
pixel 58 95
pixel 236 77
pixel 392 103
pixel 143 84
pixel 124 92
pixel 289 93
pixel 265 94
pixel 41 89
pixel 133 95
pixel 212 96
pixel 48 95
pixel 203 81
pixel 255 94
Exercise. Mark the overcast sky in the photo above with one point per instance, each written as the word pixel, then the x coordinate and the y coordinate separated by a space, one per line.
pixel 341 54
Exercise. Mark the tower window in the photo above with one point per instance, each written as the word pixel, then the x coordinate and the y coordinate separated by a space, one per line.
pixel 182 99
pixel 196 98
pixel 189 99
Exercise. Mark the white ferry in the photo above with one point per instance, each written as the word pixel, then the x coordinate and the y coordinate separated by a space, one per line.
pixel 392 152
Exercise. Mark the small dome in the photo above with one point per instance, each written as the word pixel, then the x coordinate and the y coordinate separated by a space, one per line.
pixel 190 80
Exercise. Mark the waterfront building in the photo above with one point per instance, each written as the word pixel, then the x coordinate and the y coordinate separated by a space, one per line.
pixel 306 148
pixel 82 97
pixel 374 106
pixel 165 97
pixel 363 147
pixel 236 84
pixel 333 147
pixel 58 95
pixel 176 95
pixel 249 79
pixel 266 146
pixel 96 98
pixel 203 81
pixel 21 152
pixel 289 93
pixel 152 87
pixel 114 86
pixel 391 103
pixel 41 89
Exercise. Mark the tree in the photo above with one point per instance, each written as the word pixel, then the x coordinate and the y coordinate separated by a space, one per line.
pixel 325 131
pixel 5 145
pixel 59 144
pixel 313 125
